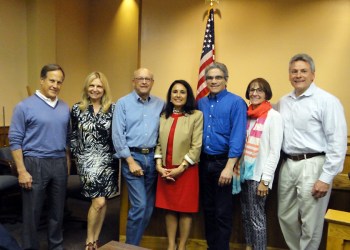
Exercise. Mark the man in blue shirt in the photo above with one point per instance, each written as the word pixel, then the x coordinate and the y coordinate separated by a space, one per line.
pixel 225 120
pixel 135 133
pixel 38 140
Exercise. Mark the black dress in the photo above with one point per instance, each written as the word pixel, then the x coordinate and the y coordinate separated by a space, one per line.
pixel 91 145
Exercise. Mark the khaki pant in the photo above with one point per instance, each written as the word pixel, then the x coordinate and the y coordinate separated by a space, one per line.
pixel 300 214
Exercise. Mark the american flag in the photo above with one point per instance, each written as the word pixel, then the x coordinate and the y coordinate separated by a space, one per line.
pixel 207 57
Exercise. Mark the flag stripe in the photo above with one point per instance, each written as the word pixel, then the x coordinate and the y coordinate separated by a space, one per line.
pixel 207 56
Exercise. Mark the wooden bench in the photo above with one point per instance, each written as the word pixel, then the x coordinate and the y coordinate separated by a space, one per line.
pixel 338 236
pixel 341 182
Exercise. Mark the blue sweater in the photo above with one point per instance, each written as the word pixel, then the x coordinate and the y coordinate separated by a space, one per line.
pixel 39 129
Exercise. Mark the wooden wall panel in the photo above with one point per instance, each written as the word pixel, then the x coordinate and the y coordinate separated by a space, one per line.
pixel 4 136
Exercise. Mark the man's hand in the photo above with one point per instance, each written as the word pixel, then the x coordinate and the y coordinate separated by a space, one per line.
pixel 134 167
pixel 320 189
pixel 25 180
pixel 227 172
pixel 226 176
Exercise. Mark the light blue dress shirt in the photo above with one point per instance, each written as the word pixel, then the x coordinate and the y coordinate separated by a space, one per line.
pixel 135 123
pixel 315 122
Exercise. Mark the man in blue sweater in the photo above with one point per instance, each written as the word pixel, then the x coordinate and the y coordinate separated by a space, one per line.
pixel 38 140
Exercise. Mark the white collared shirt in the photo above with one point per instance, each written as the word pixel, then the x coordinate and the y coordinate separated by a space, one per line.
pixel 315 122
pixel 47 100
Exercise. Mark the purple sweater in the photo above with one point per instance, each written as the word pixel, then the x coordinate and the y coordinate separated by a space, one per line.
pixel 38 129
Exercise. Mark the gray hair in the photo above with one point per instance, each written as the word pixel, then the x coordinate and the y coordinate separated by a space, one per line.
pixel 305 58
pixel 220 66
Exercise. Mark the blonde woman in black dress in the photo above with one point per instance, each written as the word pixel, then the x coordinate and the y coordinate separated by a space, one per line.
pixel 91 145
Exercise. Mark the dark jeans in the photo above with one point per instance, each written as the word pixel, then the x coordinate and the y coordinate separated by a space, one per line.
pixel 217 205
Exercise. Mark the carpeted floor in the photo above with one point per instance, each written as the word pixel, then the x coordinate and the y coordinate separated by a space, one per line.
pixel 74 226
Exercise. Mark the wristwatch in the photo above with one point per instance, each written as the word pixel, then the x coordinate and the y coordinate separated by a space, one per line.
pixel 266 183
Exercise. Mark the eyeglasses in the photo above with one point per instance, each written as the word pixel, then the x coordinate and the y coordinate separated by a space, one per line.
pixel 210 78
pixel 141 79
pixel 258 91
pixel 296 72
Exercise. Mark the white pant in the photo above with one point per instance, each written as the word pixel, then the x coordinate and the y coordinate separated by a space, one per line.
pixel 301 216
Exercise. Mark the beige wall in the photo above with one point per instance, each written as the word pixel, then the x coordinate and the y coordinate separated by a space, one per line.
pixel 253 38
pixel 13 55
pixel 41 38
pixel 72 46
pixel 97 36
pixel 81 35
pixel 113 42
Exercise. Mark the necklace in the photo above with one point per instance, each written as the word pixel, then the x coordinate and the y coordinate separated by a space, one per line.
pixel 175 111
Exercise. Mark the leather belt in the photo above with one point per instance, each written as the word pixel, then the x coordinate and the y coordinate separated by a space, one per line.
pixel 142 150
pixel 207 157
pixel 303 156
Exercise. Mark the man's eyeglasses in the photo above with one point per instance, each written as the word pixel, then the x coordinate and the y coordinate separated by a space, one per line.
pixel 258 91
pixel 210 78
pixel 296 72
pixel 141 79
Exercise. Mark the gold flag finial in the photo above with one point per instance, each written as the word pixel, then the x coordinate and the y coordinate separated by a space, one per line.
pixel 212 2
pixel 216 11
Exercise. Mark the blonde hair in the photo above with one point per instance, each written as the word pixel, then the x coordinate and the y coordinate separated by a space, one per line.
pixel 106 99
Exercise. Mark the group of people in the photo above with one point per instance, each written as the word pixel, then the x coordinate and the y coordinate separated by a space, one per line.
pixel 179 152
